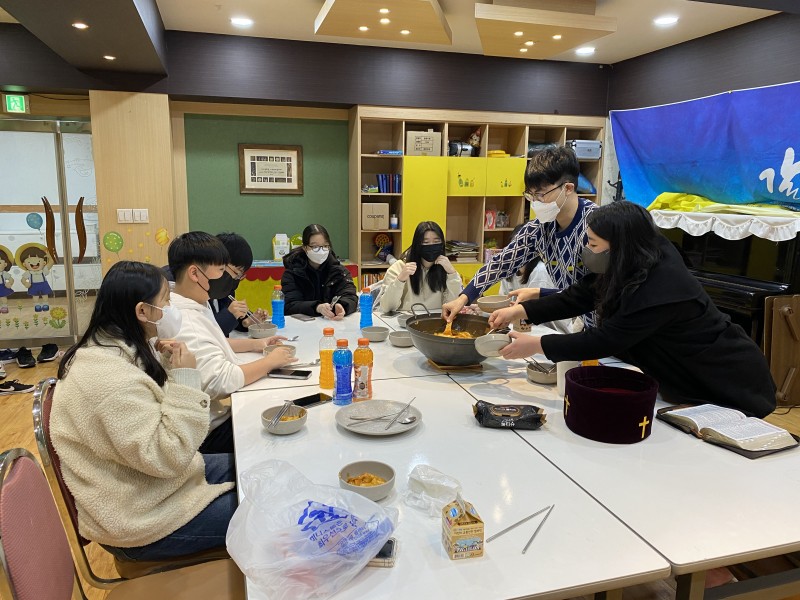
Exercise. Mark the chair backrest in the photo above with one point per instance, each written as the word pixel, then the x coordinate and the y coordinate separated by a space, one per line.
pixel 35 561
pixel 42 406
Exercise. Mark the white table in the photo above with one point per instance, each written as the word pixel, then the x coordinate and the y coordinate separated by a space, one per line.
pixel 581 549
pixel 698 505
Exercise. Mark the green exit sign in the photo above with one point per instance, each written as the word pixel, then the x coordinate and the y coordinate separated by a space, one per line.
pixel 15 103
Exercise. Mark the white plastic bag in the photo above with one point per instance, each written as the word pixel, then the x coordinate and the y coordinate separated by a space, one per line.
pixel 430 490
pixel 294 539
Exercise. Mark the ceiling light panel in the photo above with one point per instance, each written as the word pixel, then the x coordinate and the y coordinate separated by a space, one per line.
pixel 424 17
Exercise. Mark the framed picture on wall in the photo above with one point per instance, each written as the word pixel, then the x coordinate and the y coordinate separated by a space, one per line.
pixel 270 169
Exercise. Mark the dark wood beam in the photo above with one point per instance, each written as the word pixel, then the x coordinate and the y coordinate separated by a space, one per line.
pixel 790 6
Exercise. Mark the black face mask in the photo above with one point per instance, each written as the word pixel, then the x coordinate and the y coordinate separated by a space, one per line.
pixel 431 252
pixel 219 288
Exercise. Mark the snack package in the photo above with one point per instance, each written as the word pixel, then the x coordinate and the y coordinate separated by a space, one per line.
pixel 508 416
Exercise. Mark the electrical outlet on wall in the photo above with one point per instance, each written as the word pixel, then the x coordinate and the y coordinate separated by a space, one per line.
pixel 124 215
pixel 141 215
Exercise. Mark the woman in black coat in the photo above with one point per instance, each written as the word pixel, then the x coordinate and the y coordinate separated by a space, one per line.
pixel 312 277
pixel 653 314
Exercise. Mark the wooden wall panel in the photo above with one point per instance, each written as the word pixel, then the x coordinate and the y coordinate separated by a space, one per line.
pixel 132 144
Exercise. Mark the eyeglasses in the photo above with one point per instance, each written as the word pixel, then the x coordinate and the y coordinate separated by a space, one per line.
pixel 318 249
pixel 235 272
pixel 539 196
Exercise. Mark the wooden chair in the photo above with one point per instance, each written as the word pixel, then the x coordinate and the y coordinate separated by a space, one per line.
pixel 35 558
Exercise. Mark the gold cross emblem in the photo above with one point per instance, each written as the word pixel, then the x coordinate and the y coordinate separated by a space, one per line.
pixel 644 425
pixel 566 404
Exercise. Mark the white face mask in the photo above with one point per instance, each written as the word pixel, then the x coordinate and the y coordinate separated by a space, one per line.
pixel 546 212
pixel 318 257
pixel 169 325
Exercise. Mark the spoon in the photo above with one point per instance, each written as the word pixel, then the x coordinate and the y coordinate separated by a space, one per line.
pixel 312 363
pixel 293 339
pixel 404 421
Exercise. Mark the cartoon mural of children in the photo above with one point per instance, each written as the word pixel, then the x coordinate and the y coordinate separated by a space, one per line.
pixel 37 262
pixel 6 280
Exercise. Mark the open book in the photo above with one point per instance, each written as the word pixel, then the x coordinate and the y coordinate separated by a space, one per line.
pixel 730 428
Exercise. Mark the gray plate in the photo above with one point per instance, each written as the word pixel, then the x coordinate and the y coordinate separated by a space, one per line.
pixel 376 408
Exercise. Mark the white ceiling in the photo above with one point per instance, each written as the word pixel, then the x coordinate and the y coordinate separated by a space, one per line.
pixel 294 20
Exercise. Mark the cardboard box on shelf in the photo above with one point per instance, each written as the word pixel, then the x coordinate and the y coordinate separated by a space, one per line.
pixel 462 530
pixel 374 215
pixel 280 246
pixel 423 143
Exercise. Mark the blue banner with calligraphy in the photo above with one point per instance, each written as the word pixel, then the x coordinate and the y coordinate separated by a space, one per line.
pixel 735 148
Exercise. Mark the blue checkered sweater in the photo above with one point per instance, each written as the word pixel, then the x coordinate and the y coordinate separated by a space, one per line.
pixel 560 252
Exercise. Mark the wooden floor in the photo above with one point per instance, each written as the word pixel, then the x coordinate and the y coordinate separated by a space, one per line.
pixel 16 430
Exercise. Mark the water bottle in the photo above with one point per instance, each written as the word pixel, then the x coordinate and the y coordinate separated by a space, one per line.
pixel 326 347
pixel 277 308
pixel 365 306
pixel 362 366
pixel 342 374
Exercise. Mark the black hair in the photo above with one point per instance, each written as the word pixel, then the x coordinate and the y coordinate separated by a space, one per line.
pixel 240 252
pixel 437 276
pixel 551 166
pixel 525 270
pixel 33 251
pixel 195 248
pixel 7 259
pixel 125 285
pixel 633 238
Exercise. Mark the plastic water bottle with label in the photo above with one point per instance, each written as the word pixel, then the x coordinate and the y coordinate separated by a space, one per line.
pixel 326 347
pixel 362 366
pixel 365 306
pixel 277 308
pixel 342 374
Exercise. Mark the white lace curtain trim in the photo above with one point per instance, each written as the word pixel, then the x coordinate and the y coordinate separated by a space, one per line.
pixel 729 226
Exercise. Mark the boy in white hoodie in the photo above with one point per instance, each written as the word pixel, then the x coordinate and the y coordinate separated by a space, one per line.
pixel 200 264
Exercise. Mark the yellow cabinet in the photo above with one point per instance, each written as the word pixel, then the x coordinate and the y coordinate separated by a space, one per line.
pixel 467 272
pixel 424 194
pixel 505 176
pixel 466 176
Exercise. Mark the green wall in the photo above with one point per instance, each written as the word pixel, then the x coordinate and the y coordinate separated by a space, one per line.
pixel 212 170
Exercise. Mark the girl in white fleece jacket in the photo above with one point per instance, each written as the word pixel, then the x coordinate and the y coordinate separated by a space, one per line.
pixel 127 428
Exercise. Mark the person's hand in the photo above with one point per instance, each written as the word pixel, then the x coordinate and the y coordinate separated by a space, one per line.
pixel 280 357
pixel 523 294
pixel 179 355
pixel 452 308
pixel 407 271
pixel 339 312
pixel 522 346
pixel 503 316
pixel 238 308
pixel 445 263
pixel 325 310
pixel 275 340
pixel 260 314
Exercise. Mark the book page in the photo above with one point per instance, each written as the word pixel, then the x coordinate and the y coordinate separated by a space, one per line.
pixel 751 434
pixel 707 415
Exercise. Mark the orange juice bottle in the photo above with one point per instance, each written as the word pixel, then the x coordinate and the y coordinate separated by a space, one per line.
pixel 362 365
pixel 326 347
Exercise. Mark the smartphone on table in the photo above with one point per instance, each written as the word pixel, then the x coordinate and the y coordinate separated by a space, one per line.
pixel 302 317
pixel 289 374
pixel 312 400
pixel 385 558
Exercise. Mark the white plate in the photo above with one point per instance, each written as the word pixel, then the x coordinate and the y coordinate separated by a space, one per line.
pixel 376 408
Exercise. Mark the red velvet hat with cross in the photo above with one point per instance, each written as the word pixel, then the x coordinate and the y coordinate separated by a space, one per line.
pixel 608 404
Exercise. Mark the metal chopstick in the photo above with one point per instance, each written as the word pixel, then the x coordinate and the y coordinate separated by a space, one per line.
pixel 280 413
pixel 518 523
pixel 249 314
pixel 525 549
pixel 397 416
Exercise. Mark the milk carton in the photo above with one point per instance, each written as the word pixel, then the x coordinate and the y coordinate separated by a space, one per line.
pixel 462 530
pixel 280 246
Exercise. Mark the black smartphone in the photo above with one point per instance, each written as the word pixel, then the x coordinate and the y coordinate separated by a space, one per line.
pixel 312 400
pixel 385 558
pixel 302 317
pixel 289 374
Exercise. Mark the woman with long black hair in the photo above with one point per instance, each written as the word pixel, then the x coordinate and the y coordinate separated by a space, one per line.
pixel 424 274
pixel 128 418
pixel 653 314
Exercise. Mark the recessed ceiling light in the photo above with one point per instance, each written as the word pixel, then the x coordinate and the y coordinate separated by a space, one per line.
pixel 109 57
pixel 385 21
pixel 384 11
pixel 241 22
pixel 518 33
pixel 363 28
pixel 79 25
pixel 666 21
pixel 585 51
pixel 529 43
pixel 404 32
pixel 523 49
pixel 557 36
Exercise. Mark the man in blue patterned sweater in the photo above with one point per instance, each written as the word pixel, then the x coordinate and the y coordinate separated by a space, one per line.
pixel 557 234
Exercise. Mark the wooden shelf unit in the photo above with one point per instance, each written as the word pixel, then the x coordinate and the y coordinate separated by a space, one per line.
pixel 435 190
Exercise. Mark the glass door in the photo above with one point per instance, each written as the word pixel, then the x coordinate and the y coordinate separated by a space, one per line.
pixel 47 279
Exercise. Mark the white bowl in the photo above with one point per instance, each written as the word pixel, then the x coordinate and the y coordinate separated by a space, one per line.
pixel 292 349
pixel 284 427
pixel 374 492
pixel 375 333
pixel 536 376
pixel 262 330
pixel 401 339
pixel 492 303
pixel 489 345
pixel 401 320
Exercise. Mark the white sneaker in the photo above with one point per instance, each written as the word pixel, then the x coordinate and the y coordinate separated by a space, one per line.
pixel 2 371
